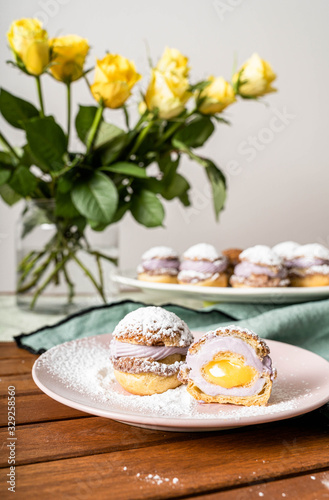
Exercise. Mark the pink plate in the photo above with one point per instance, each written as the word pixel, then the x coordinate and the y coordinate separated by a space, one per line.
pixel 79 374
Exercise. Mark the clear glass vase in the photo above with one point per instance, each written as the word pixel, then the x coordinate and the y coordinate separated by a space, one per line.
pixel 61 267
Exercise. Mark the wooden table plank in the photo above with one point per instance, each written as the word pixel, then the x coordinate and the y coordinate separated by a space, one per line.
pixel 216 461
pixel 16 366
pixel 311 486
pixel 38 408
pixel 136 474
pixel 10 350
pixel 23 383
pixel 80 437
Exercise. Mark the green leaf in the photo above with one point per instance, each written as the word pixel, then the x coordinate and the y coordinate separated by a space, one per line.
pixel 4 176
pixel 64 206
pixel 84 120
pixel 97 226
pixel 23 182
pixel 47 143
pixel 96 198
pixel 64 184
pixel 8 195
pixel 176 188
pixel 126 168
pixel 168 167
pixel 112 149
pixel 218 184
pixel 194 134
pixel 147 209
pixel 121 211
pixel 106 132
pixel 6 160
pixel 16 110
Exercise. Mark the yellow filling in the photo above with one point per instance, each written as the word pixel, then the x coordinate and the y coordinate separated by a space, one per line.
pixel 229 374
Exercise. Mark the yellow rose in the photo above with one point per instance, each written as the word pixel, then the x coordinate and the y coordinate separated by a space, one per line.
pixel 217 96
pixel 168 93
pixel 68 54
pixel 172 60
pixel 255 78
pixel 29 42
pixel 115 76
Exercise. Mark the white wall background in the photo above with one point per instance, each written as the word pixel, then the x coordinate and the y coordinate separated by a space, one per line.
pixel 278 189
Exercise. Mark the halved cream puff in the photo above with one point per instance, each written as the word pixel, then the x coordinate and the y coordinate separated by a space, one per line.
pixel 202 265
pixel 229 365
pixel 148 348
pixel 159 265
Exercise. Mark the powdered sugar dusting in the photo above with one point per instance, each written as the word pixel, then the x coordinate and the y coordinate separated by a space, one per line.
pixel 311 251
pixel 84 367
pixel 202 251
pixel 324 269
pixel 160 252
pixel 286 249
pixel 262 255
pixel 154 323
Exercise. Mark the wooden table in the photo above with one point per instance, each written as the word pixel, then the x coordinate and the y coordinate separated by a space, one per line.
pixel 62 453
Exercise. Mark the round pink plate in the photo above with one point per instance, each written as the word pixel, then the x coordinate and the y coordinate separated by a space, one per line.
pixel 79 374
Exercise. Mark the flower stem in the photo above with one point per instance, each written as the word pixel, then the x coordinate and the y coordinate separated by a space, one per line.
pixel 48 280
pixel 90 276
pixel 70 284
pixel 42 109
pixel 141 138
pixel 171 130
pixel 68 87
pixel 94 128
pixel 8 146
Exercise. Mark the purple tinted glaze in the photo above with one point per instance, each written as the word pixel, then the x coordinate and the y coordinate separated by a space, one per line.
pixel 245 269
pixel 123 349
pixel 154 264
pixel 204 266
pixel 217 344
pixel 305 262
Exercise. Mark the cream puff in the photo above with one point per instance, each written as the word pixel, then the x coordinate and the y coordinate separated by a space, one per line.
pixel 285 250
pixel 259 267
pixel 202 265
pixel 309 266
pixel 148 348
pixel 229 365
pixel 233 258
pixel 159 265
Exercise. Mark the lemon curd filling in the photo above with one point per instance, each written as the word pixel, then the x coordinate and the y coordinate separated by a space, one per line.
pixel 228 374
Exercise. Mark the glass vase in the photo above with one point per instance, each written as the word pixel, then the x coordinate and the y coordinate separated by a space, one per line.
pixel 62 267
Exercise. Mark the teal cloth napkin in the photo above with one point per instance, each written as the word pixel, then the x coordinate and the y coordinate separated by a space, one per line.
pixel 305 325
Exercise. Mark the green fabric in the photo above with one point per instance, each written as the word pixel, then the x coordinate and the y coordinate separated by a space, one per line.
pixel 305 325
